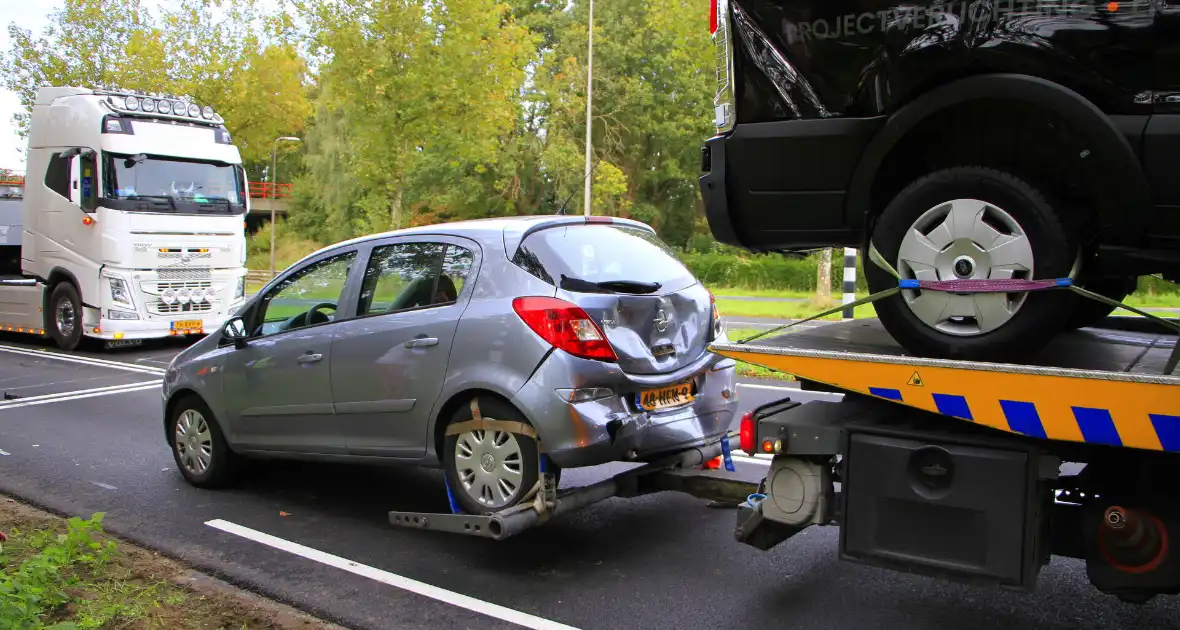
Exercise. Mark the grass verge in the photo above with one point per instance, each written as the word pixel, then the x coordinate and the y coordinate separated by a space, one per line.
pixel 66 574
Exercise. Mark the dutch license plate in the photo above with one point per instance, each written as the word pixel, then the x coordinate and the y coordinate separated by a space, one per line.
pixel 665 397
pixel 188 325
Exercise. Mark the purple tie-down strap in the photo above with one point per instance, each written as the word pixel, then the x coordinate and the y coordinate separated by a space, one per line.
pixel 985 286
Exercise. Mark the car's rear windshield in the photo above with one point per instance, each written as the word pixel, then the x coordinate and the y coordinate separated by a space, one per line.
pixel 602 253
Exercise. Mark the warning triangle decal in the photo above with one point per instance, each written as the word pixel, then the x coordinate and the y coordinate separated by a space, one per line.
pixel 915 380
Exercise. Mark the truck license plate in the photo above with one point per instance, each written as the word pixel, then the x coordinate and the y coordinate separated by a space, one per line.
pixel 188 326
pixel 665 397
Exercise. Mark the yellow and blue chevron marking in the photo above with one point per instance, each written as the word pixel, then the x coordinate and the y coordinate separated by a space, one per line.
pixel 1142 415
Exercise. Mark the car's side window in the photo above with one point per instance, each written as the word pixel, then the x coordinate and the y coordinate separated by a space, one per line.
pixel 307 297
pixel 455 270
pixel 399 277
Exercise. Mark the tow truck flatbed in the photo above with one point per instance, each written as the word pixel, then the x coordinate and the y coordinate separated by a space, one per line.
pixel 1097 386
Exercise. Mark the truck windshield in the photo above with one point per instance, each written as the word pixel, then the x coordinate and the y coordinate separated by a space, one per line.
pixel 156 183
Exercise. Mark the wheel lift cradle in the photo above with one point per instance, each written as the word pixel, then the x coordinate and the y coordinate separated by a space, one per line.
pixel 683 471
pixel 953 469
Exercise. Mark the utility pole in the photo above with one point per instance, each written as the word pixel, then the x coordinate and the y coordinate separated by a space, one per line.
pixel 589 87
pixel 274 191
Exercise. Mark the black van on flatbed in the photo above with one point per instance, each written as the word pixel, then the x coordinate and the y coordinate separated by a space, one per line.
pixel 1026 139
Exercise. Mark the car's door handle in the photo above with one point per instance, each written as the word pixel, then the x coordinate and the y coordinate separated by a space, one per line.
pixel 311 357
pixel 422 342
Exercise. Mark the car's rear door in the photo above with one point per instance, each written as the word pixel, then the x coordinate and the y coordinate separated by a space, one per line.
pixel 655 314
pixel 389 362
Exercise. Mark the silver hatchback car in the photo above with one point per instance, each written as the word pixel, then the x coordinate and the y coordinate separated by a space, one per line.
pixel 481 346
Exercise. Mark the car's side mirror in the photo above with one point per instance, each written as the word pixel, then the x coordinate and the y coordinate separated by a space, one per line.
pixel 235 331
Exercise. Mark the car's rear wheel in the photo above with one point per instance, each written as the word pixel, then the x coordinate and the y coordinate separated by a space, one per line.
pixel 971 223
pixel 199 447
pixel 490 470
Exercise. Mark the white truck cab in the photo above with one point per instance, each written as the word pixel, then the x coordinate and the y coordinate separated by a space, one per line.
pixel 132 221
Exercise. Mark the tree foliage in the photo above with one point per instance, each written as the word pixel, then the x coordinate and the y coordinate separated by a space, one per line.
pixel 217 52
pixel 418 111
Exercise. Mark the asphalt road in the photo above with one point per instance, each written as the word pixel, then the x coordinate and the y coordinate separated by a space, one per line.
pixel 317 537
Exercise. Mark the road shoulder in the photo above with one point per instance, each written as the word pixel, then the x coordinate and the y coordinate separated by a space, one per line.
pixel 137 585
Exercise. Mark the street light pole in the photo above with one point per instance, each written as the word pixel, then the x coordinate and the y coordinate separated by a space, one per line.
pixel 274 166
pixel 589 96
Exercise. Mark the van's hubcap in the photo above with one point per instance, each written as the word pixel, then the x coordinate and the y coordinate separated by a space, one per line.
pixel 490 466
pixel 194 442
pixel 964 239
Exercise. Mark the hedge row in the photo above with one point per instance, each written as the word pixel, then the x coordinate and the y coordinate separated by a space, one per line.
pixel 774 272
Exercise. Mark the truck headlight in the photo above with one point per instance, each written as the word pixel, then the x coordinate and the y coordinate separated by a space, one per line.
pixel 240 291
pixel 119 291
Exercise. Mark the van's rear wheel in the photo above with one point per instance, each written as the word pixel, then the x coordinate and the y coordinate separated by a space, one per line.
pixel 971 223
pixel 63 318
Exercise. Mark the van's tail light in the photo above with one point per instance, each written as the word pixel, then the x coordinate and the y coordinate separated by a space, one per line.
pixel 746 433
pixel 566 326
pixel 712 17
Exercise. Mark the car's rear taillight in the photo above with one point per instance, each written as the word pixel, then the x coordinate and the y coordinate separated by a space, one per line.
pixel 746 433
pixel 566 326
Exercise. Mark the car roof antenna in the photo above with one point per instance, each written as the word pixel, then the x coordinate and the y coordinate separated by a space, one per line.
pixel 561 210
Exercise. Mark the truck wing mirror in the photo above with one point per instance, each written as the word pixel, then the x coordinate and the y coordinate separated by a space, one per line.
pixel 235 330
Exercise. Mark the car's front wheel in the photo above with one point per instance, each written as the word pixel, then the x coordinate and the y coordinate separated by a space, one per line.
pixel 971 223
pixel 199 447
pixel 490 469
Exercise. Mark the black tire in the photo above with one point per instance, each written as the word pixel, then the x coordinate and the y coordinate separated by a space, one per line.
pixel 224 464
pixel 529 465
pixel 1036 321
pixel 1089 312
pixel 64 295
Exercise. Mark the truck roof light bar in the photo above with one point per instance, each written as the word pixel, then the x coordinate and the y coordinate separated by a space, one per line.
pixel 161 107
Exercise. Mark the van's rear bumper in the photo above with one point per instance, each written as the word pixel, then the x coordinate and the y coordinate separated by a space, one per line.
pixel 784 184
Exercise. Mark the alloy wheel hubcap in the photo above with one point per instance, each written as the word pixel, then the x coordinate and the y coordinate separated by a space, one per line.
pixel 964 239
pixel 490 466
pixel 194 442
pixel 65 318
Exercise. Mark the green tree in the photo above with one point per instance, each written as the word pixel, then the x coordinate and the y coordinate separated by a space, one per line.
pixel 652 99
pixel 219 53
pixel 423 95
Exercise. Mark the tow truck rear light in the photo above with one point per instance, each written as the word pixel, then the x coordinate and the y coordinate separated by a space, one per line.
pixel 746 433
pixel 712 17
pixel 565 326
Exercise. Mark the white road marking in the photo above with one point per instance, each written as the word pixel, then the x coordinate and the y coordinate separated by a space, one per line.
pixel 777 388
pixel 392 579
pixel 78 395
pixel 5 453
pixel 104 485
pixel 118 365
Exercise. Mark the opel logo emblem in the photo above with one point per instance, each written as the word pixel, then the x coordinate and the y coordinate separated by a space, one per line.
pixel 662 320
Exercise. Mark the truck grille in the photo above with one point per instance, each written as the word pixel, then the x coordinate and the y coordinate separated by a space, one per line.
pixel 157 306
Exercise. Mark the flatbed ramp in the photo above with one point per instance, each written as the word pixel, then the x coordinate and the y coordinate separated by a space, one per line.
pixel 1095 386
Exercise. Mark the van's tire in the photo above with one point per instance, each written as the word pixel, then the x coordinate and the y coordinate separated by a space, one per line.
pixel 203 456
pixel 490 471
pixel 1004 327
pixel 1089 312
pixel 63 318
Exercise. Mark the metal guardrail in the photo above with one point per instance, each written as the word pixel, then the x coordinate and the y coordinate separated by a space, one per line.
pixel 267 190
pixel 258 275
